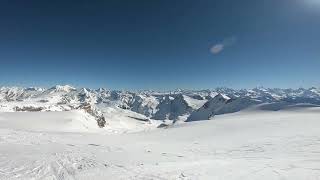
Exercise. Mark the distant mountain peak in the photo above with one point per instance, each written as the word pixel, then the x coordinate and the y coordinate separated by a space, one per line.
pixel 186 104
pixel 63 88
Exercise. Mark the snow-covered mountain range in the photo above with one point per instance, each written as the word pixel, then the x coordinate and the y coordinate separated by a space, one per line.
pixel 274 133
pixel 179 105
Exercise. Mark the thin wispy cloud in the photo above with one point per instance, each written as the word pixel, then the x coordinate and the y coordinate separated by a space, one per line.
pixel 219 47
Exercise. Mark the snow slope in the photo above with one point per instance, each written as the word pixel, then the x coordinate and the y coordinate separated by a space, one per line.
pixel 68 121
pixel 250 144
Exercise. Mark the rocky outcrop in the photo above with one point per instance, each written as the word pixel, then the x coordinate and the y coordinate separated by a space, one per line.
pixel 209 109
pixel 171 107
pixel 221 104
pixel 95 113
pixel 27 109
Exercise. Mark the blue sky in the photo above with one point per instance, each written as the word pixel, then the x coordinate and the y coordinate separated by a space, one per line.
pixel 163 44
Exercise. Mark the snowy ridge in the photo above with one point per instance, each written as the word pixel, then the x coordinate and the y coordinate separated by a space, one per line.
pixel 175 105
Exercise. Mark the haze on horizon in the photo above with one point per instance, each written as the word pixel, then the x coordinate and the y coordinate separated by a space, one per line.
pixel 160 44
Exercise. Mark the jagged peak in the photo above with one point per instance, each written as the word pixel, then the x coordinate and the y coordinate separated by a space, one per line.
pixel 10 88
pixel 34 89
pixel 101 90
pixel 63 88
pixel 221 96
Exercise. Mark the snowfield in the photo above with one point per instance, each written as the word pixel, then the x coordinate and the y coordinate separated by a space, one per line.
pixel 68 133
pixel 251 144
pixel 72 121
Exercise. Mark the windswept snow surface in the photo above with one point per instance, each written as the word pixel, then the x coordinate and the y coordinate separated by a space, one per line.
pixel 68 121
pixel 251 144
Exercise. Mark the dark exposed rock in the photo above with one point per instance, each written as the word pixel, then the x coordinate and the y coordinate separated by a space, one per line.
pixel 140 119
pixel 87 107
pixel 163 125
pixel 209 109
pixel 169 108
pixel 28 109
pixel 101 121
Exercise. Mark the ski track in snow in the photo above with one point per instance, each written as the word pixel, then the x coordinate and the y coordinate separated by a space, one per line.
pixel 247 145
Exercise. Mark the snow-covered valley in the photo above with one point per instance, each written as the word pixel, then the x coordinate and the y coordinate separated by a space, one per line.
pixel 252 134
